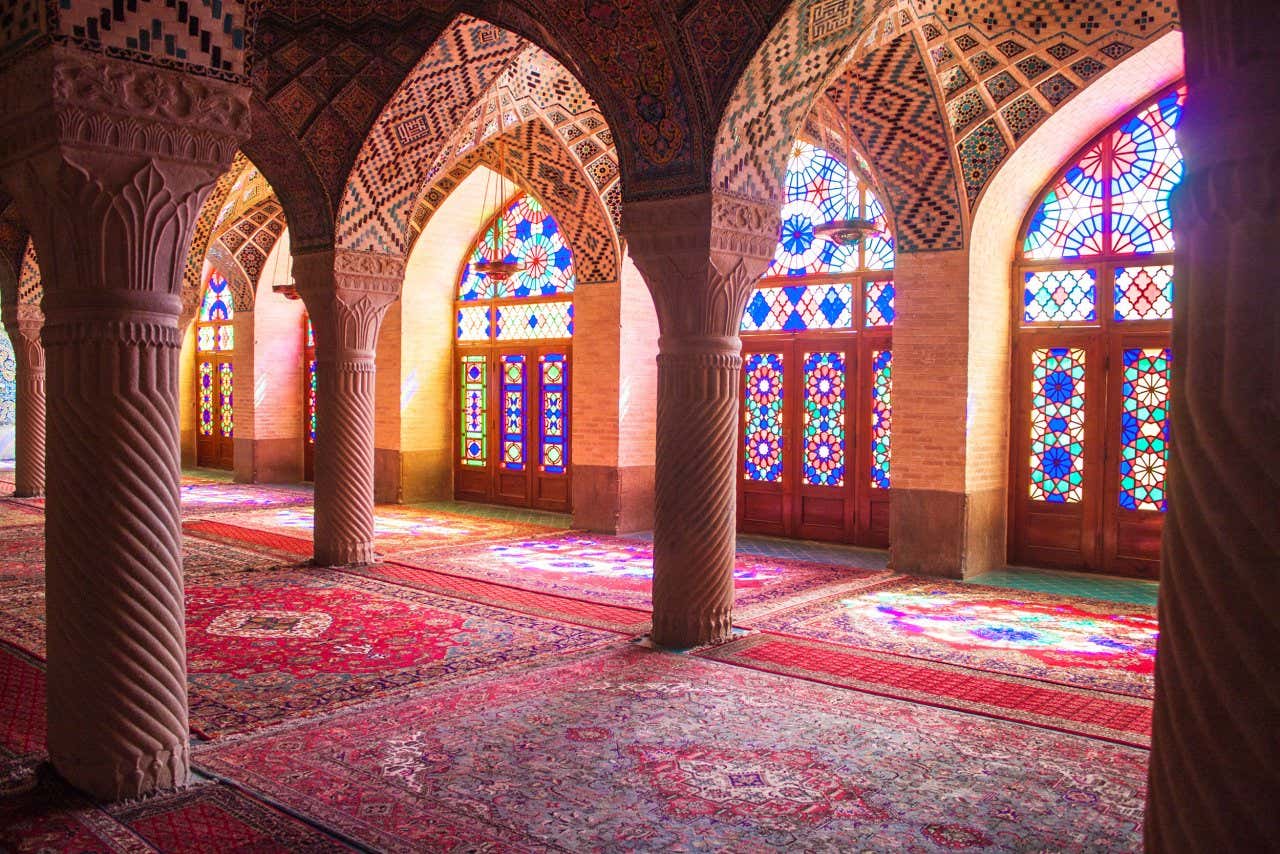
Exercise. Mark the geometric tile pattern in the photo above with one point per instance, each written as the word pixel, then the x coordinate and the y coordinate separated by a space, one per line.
pixel 30 291
pixel 206 38
pixel 241 250
pixel 539 161
pixel 214 212
pixel 536 86
pixel 392 165
pixel 890 104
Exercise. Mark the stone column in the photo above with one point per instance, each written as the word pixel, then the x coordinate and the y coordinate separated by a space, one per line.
pixel 111 161
pixel 347 295
pixel 28 351
pixel 700 256
pixel 1215 760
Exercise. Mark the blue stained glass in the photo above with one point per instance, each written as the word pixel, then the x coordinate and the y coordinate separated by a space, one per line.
pixel 554 429
pixel 217 303
pixel 528 235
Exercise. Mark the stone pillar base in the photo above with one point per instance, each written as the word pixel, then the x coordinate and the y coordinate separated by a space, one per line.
pixel 613 499
pixel 947 534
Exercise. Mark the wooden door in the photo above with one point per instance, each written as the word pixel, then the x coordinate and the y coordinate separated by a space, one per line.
pixel 215 422
pixel 811 418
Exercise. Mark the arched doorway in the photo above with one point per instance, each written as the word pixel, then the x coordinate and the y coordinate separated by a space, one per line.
pixel 215 372
pixel 1093 339
pixel 513 360
pixel 818 367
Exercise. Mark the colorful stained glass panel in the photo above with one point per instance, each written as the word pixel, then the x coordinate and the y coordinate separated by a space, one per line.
pixel 799 308
pixel 1144 429
pixel 1069 221
pixel 226 337
pixel 206 398
pixel 527 235
pixel 1144 293
pixel 1057 425
pixel 819 189
pixel 881 416
pixel 311 401
pixel 473 323
pixel 226 409
pixel 823 421
pixel 554 429
pixel 1146 168
pixel 534 321
pixel 763 440
pixel 475 408
pixel 880 310
pixel 217 303
pixel 514 403
pixel 1061 296
pixel 206 338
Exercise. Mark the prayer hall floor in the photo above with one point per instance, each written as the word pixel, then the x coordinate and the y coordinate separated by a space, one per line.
pixel 487 685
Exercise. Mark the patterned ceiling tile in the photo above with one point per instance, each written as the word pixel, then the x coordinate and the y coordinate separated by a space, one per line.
pixel 1033 67
pixel 967 109
pixel 1002 86
pixel 980 153
pixel 1057 89
pixel 434 100
pixel 30 288
pixel 1022 116
pixel 891 108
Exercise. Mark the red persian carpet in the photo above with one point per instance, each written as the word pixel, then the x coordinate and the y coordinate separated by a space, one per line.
pixel 619 571
pixel 40 814
pixel 1086 643
pixel 22 722
pixel 1126 720
pixel 206 498
pixel 267 646
pixel 601 752
pixel 287 530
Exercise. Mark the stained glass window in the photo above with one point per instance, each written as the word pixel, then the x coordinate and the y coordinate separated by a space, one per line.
pixel 763 390
pixel 1146 167
pixel 513 412
pixel 309 345
pixel 796 308
pixel 821 189
pixel 1057 425
pixel 881 416
pixel 527 235
pixel 554 430
pixel 823 420
pixel 206 398
pixel 534 321
pixel 1144 428
pixel 8 381
pixel 473 323
pixel 1068 223
pixel 475 407
pixel 1144 293
pixel 880 310
pixel 225 404
pixel 217 303
pixel 1061 296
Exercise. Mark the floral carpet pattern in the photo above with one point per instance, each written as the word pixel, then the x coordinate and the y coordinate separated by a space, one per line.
pixel 204 498
pixel 598 753
pixel 619 571
pixel 264 647
pixel 1104 646
pixel 288 529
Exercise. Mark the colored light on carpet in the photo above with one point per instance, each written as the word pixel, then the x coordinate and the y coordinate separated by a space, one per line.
pixel 211 497
pixel 627 749
pixel 1126 720
pixel 619 571
pixel 395 529
pixel 17 512
pixel 267 646
pixel 1098 645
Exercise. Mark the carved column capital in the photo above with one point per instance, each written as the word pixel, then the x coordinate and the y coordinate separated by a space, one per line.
pixel 24 331
pixel 701 255
pixel 111 160
pixel 347 294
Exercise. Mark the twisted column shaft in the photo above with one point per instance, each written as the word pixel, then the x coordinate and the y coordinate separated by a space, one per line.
pixel 110 161
pixel 1215 762
pixel 347 295
pixel 694 538
pixel 700 257
pixel 30 403
pixel 117 691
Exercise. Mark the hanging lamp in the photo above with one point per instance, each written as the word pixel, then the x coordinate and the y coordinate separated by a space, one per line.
pixel 493 263
pixel 852 230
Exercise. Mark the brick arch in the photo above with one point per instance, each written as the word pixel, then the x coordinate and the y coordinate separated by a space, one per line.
pixel 455 73
pixel 813 41
pixel 240 251
pixel 538 161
